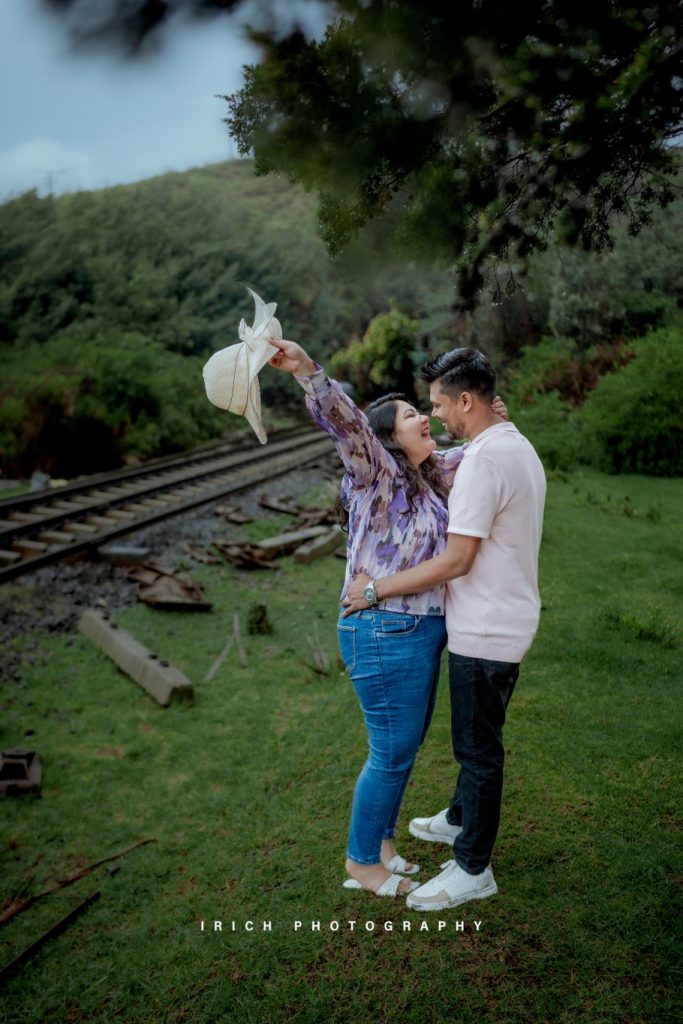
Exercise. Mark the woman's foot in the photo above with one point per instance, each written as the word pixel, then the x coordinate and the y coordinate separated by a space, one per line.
pixel 388 852
pixel 373 876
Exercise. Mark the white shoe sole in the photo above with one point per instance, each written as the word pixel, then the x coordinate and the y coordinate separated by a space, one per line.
pixel 413 902
pixel 431 837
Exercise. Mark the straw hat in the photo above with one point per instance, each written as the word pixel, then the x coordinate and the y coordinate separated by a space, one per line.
pixel 231 375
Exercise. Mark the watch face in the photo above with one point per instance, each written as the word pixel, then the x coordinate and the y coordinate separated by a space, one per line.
pixel 370 595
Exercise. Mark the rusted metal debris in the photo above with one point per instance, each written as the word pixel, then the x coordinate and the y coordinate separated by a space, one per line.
pixel 20 772
pixel 200 554
pixel 16 906
pixel 162 680
pixel 280 503
pixel 59 926
pixel 233 514
pixel 304 515
pixel 246 556
pixel 306 545
pixel 163 588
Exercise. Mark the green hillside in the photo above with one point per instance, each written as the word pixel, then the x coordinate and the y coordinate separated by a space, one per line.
pixel 111 301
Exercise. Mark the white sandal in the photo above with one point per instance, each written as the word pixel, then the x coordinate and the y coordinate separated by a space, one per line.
pixel 388 888
pixel 398 863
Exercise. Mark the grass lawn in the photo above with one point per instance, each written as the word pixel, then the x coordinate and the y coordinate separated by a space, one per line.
pixel 247 795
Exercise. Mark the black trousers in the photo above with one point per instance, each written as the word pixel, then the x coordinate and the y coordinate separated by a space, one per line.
pixel 480 694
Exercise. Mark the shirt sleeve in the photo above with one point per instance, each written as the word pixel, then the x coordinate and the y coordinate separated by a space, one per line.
pixel 363 454
pixel 450 460
pixel 476 498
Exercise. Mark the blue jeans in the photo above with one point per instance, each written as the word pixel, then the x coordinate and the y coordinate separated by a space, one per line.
pixel 394 661
pixel 480 693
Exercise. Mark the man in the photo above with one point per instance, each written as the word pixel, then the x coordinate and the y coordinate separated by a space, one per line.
pixel 490 566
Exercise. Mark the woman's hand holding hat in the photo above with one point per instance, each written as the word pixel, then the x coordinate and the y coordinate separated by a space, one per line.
pixel 291 358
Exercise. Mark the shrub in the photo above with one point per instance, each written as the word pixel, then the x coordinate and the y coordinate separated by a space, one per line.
pixel 539 410
pixel 551 426
pixel 385 358
pixel 85 402
pixel 632 421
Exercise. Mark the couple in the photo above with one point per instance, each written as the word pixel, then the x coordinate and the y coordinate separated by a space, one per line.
pixel 431 533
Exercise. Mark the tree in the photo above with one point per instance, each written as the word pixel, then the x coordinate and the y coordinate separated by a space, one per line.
pixel 477 131
pixel 385 359
pixel 132 25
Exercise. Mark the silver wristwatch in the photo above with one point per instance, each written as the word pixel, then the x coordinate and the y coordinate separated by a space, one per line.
pixel 370 594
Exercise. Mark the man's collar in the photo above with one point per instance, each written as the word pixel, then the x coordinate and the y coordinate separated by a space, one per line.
pixel 505 425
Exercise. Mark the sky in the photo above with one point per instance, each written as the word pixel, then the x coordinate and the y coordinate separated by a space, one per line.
pixel 83 120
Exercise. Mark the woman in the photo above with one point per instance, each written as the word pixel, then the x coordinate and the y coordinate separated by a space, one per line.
pixel 395 491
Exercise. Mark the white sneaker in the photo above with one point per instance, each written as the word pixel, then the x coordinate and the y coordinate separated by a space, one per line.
pixel 451 887
pixel 436 829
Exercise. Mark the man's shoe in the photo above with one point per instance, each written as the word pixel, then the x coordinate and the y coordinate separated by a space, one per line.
pixel 436 829
pixel 451 887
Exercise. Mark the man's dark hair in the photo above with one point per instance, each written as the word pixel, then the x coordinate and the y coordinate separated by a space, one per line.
pixel 462 369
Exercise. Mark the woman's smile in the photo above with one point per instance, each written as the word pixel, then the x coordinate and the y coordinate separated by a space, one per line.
pixel 411 432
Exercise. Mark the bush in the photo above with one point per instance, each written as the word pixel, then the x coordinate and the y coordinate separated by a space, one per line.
pixel 537 408
pixel 633 420
pixel 385 358
pixel 551 426
pixel 528 377
pixel 83 403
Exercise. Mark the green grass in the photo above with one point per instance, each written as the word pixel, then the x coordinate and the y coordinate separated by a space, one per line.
pixel 15 492
pixel 247 794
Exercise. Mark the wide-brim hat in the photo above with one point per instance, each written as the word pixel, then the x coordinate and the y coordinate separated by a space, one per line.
pixel 231 375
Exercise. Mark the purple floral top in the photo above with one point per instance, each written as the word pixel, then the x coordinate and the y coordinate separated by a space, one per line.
pixel 385 534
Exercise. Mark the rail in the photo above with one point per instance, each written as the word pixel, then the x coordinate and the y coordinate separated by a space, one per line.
pixel 50 526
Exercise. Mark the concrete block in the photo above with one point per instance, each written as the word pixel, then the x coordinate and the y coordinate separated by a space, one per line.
pixel 29 547
pixel 120 554
pixel 81 528
pixel 56 537
pixel 319 546
pixel 286 542
pixel 162 680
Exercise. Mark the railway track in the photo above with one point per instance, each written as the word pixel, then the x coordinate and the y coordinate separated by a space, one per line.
pixel 50 526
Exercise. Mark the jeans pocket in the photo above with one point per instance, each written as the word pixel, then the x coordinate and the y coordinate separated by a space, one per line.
pixel 397 625
pixel 346 636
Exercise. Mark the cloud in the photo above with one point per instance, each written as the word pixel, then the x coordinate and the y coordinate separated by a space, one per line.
pixel 48 165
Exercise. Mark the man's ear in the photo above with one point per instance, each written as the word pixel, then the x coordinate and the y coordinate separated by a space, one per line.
pixel 467 400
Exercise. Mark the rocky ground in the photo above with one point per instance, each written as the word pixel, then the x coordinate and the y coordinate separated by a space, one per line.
pixel 53 598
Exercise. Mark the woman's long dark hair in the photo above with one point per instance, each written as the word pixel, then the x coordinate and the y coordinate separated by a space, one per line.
pixel 381 416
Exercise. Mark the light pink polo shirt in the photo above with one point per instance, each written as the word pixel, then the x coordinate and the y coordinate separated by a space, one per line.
pixel 498 495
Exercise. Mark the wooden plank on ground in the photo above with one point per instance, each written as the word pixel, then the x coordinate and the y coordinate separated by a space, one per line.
pixel 162 680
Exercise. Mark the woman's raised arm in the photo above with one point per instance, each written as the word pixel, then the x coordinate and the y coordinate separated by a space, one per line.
pixel 363 455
